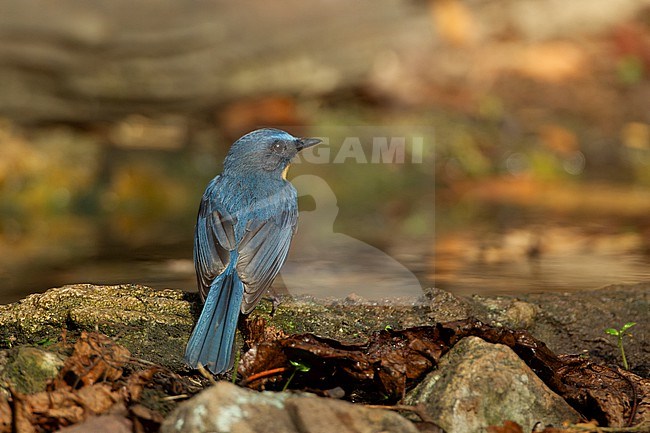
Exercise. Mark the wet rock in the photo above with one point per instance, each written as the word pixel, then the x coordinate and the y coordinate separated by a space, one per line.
pixel 153 324
pixel 347 321
pixel 505 311
pixel 478 384
pixel 447 307
pixel 575 323
pixel 355 319
pixel 28 369
pixel 228 408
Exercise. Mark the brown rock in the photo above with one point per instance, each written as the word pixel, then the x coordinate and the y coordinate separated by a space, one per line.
pixel 478 384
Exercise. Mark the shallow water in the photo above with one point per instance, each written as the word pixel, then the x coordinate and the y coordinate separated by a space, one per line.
pixel 372 225
pixel 339 266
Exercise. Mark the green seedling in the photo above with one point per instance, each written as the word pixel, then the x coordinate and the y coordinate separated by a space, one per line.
pixel 297 366
pixel 619 333
pixel 233 379
pixel 45 342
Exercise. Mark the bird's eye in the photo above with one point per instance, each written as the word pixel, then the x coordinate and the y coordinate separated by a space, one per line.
pixel 278 146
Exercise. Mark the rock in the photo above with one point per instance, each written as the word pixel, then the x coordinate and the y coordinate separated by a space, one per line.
pixel 446 307
pixel 506 311
pixel 101 424
pixel 229 408
pixel 350 321
pixel 29 369
pixel 575 323
pixel 478 384
pixel 353 320
pixel 153 324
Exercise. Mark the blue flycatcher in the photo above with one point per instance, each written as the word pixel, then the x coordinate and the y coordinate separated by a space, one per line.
pixel 247 217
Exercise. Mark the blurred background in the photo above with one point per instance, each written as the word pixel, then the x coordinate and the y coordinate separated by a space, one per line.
pixel 534 117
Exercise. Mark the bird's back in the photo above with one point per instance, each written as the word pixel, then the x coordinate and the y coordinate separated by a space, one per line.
pixel 233 213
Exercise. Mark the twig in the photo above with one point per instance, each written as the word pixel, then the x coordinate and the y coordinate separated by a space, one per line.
pixel 174 397
pixel 644 427
pixel 635 400
pixel 262 374
pixel 205 373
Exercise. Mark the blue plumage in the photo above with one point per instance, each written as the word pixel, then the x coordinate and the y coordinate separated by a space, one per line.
pixel 246 220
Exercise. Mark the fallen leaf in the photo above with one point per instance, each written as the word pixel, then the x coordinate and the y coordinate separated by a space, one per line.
pixel 392 361
pixel 507 427
pixel 5 415
pixel 96 358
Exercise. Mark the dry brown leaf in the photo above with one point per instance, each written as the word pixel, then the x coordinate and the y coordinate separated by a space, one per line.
pixel 507 427
pixel 137 381
pixel 393 361
pixel 5 414
pixel 95 358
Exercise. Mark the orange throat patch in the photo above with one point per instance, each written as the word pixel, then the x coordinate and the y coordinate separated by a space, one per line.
pixel 285 171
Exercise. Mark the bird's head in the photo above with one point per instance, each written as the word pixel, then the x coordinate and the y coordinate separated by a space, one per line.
pixel 265 151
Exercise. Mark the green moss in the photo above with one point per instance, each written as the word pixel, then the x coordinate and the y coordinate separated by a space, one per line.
pixel 29 369
pixel 153 324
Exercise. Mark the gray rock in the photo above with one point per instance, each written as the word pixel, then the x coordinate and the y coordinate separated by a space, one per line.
pixel 229 408
pixel 478 384
pixel 506 311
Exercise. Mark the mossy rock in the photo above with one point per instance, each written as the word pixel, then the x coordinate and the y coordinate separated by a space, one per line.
pixel 29 369
pixel 152 324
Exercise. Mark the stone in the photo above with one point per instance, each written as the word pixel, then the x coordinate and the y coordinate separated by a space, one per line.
pixel 112 423
pixel 29 369
pixel 228 408
pixel 575 323
pixel 201 59
pixel 447 307
pixel 478 384
pixel 152 324
pixel 506 311
pixel 155 324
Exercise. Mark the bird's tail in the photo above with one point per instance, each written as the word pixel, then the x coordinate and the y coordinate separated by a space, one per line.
pixel 211 343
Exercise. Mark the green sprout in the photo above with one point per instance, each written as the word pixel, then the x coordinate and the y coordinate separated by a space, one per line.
pixel 45 342
pixel 297 366
pixel 233 379
pixel 619 334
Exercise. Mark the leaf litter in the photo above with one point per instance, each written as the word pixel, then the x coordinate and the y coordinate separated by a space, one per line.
pixel 99 378
pixel 102 386
pixel 394 361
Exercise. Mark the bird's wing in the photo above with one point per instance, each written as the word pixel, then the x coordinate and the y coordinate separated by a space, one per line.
pixel 262 252
pixel 214 238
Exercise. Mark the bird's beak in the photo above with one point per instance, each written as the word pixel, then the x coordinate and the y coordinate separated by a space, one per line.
pixel 304 143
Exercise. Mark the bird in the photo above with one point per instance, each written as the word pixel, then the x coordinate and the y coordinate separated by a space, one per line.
pixel 246 220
